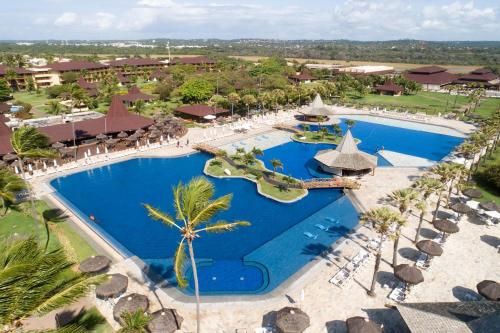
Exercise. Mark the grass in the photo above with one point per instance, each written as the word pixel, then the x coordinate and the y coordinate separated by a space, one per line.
pixel 38 101
pixel 265 187
pixel 488 106
pixel 315 137
pixel 489 192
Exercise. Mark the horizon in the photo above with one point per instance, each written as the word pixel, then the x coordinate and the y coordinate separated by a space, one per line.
pixel 363 21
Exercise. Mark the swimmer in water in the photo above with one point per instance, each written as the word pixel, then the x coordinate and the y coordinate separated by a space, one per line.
pixel 92 218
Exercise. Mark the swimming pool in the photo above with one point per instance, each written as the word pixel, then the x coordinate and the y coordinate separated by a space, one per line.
pixel 251 260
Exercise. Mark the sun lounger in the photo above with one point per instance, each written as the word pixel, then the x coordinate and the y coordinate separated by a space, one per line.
pixel 321 227
pixel 398 294
pixel 332 219
pixel 341 277
pixel 310 235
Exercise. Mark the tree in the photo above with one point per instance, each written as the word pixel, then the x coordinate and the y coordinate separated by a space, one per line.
pixel 69 77
pixel 350 123
pixel 35 282
pixel 276 165
pixel 164 89
pixel 248 159
pixel 402 199
pixel 382 220
pixel 139 106
pixel 323 131
pixel 135 322
pixel 195 207
pixel 4 90
pixel 55 108
pixel 10 185
pixel 422 207
pixel 233 99
pixel 257 151
pixel 337 131
pixel 196 90
pixel 249 100
pixel 28 142
pixel 445 172
pixel 30 84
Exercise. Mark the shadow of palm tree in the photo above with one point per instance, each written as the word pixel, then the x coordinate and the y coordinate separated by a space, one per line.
pixel 464 294
pixel 336 326
pixel 390 319
pixel 54 215
pixel 491 240
pixel 409 253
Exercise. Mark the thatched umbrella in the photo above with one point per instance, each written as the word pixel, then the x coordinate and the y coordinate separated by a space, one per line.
pixel 111 142
pixel 2 163
pixel 94 264
pixel 473 193
pixel 132 138
pixel 115 286
pixel 489 289
pixel 446 226
pixel 66 150
pixel 362 325
pixel 429 247
pixel 460 208
pixel 140 132
pixel 101 137
pixel 408 274
pixel 58 145
pixel 152 127
pixel 9 157
pixel 154 135
pixel 292 320
pixel 165 321
pixel 490 206
pixel 122 135
pixel 130 303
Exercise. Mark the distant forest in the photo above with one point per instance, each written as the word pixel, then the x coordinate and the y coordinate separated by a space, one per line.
pixel 402 51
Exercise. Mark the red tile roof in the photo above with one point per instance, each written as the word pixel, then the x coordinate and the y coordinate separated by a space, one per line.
pixel 479 75
pixel 201 60
pixel 440 78
pixel 200 110
pixel 116 120
pixel 76 65
pixel 122 78
pixel 18 70
pixel 427 70
pixel 134 94
pixel 5 146
pixel 390 86
pixel 158 74
pixel 135 62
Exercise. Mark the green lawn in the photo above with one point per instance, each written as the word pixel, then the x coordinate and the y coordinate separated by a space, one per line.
pixel 488 106
pixel 38 101
pixel 490 193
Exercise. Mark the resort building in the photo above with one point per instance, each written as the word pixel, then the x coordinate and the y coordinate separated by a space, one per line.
pixel 135 94
pixel 90 88
pixel 316 111
pixel 302 78
pixel 389 88
pixel 122 79
pixel 346 159
pixel 52 74
pixel 134 66
pixel 200 112
pixel 366 70
pixel 158 75
pixel 118 119
pixel 431 78
pixel 482 77
pixel 200 62
pixel 19 78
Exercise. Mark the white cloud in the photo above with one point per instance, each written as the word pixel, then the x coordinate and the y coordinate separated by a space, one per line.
pixel 100 21
pixel 67 18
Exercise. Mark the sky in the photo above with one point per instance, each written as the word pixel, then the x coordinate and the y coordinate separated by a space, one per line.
pixel 232 19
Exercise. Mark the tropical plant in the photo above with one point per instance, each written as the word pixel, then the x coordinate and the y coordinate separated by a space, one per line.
pixel 35 282
pixel 445 172
pixel 402 199
pixel 382 221
pixel 28 142
pixel 257 151
pixel 422 207
pixel 350 123
pixel 276 165
pixel 240 151
pixel 248 159
pixel 55 108
pixel 10 185
pixel 139 106
pixel 195 208
pixel 135 322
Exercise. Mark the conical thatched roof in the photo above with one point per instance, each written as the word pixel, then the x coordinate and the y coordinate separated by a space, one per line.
pixel 317 108
pixel 292 320
pixel 346 156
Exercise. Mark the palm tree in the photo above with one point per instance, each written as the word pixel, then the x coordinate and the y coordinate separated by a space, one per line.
pixel 221 153
pixel 323 131
pixel 35 282
pixel 459 174
pixel 276 165
pixel 446 174
pixel 135 322
pixel 195 207
pixel 249 159
pixel 10 184
pixel 28 142
pixel 139 106
pixel 350 123
pixel 422 207
pixel 257 152
pixel 337 131
pixel 403 200
pixel 382 220
pixel 306 127
pixel 240 151
pixel 469 151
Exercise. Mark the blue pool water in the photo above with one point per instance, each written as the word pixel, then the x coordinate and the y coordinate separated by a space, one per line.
pixel 255 259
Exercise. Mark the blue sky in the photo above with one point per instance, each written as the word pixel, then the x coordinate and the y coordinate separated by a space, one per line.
pixel 291 19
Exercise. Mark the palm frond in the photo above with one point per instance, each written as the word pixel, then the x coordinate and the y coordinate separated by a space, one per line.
pixel 210 209
pixel 158 215
pixel 177 191
pixel 195 195
pixel 180 264
pixel 223 226
pixel 40 153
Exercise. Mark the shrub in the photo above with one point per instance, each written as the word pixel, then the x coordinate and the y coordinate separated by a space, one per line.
pixel 490 174
pixel 216 163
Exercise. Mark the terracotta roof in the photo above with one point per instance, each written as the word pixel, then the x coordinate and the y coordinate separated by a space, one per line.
pixel 158 74
pixel 302 77
pixel 135 94
pixel 122 78
pixel 427 70
pixel 201 60
pixel 200 110
pixel 389 85
pixel 18 70
pixel 116 120
pixel 481 71
pixel 84 84
pixel 431 78
pixel 76 65
pixel 135 62
pixel 5 146
pixel 478 75
pixel 4 107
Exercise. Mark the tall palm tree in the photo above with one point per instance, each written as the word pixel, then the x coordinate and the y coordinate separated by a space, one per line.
pixel 36 282
pixel 350 123
pixel 276 165
pixel 459 175
pixel 135 322
pixel 195 208
pixel 469 151
pixel 10 184
pixel 381 220
pixel 445 172
pixel 28 142
pixel 139 106
pixel 422 207
pixel 402 199
pixel 257 151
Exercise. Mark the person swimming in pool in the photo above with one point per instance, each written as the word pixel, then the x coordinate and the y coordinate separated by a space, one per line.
pixel 92 218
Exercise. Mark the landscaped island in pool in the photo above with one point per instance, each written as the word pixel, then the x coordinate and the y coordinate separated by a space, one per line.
pixel 252 260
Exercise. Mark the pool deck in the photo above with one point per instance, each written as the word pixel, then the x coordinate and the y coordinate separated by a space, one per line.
pixel 325 303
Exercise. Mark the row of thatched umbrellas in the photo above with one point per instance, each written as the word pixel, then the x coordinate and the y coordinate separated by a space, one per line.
pixel 474 193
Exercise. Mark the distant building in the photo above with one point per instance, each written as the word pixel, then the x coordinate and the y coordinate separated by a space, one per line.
pixel 90 88
pixel 431 78
pixel 389 88
pixel 302 78
pixel 158 75
pixel 52 74
pixel 482 77
pixel 20 80
pixel 200 112
pixel 122 79
pixel 200 62
pixel 367 70
pixel 135 94
pixel 134 66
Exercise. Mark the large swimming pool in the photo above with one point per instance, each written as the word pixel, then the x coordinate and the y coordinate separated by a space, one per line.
pixel 252 260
